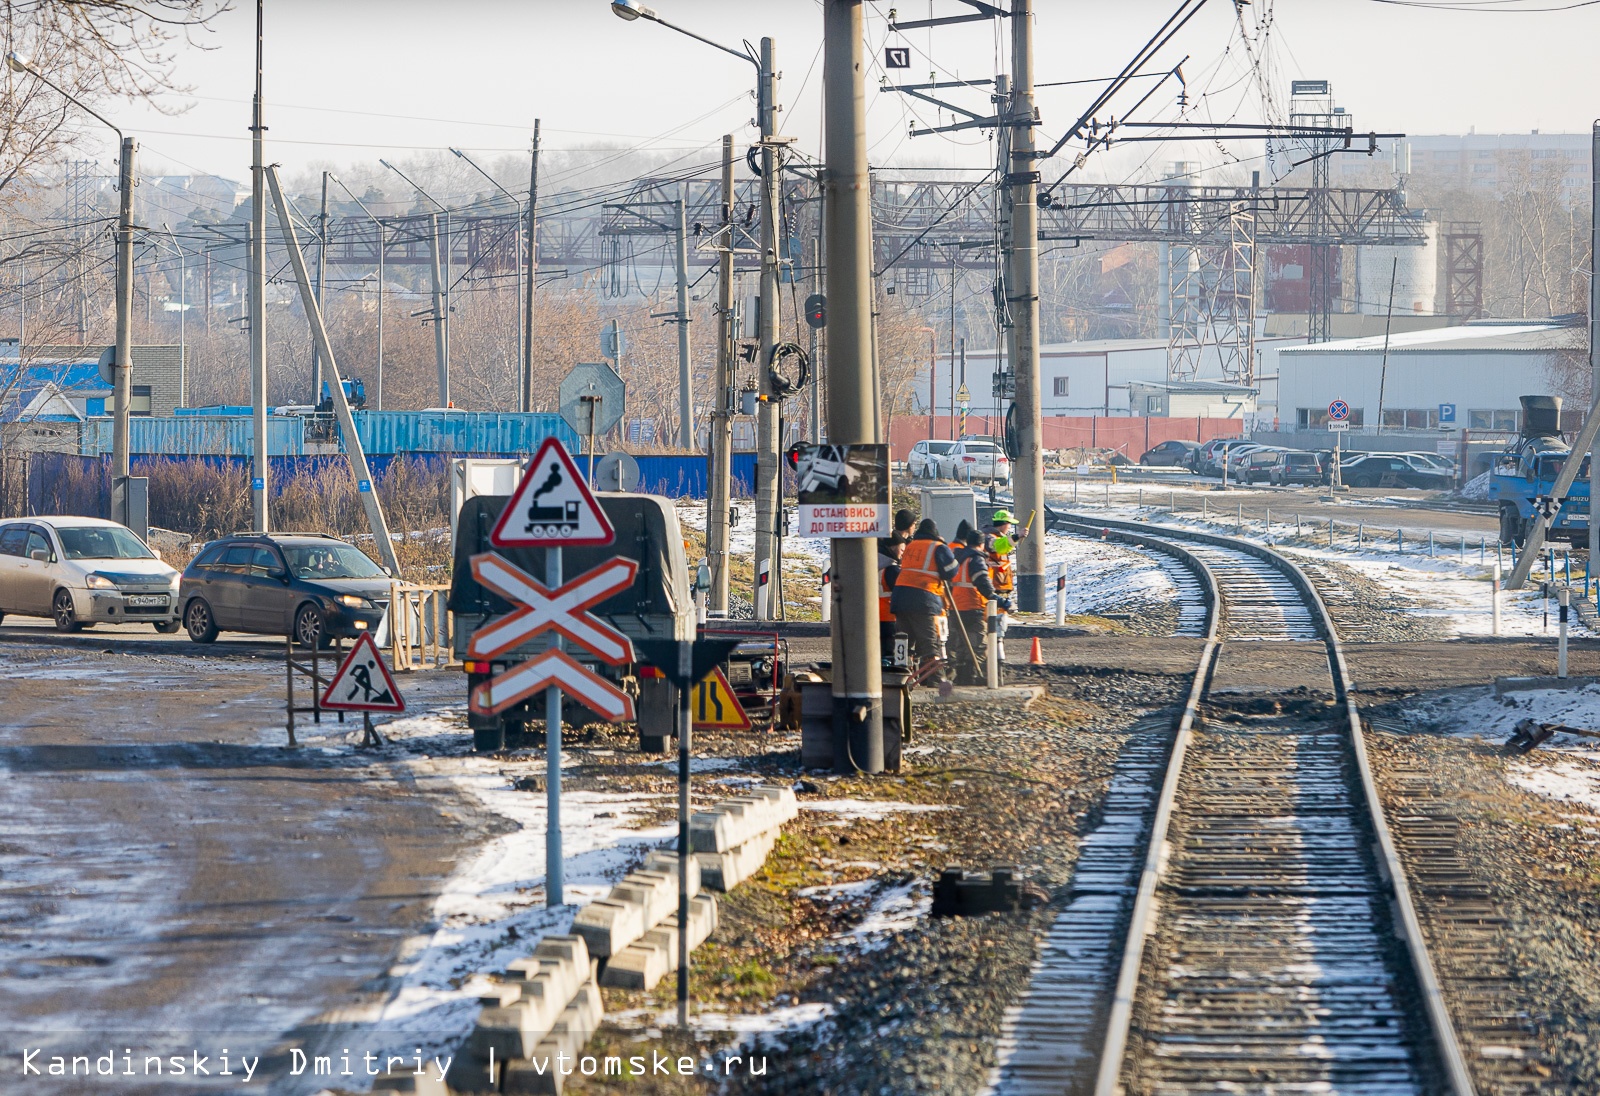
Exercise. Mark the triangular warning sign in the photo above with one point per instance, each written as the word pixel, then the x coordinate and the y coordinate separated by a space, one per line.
pixel 714 706
pixel 363 683
pixel 551 506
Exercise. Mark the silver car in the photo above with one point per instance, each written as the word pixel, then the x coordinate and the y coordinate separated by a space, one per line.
pixel 80 571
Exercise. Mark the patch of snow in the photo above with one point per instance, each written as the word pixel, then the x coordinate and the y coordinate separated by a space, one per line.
pixel 895 910
pixel 858 889
pixel 1477 487
pixel 869 810
pixel 1568 781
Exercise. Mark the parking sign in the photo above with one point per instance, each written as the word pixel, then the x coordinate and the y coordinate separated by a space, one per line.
pixel 1447 414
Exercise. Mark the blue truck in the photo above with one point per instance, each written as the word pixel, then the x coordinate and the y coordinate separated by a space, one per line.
pixel 1522 476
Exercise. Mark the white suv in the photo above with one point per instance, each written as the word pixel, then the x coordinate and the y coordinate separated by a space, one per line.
pixel 923 460
pixel 81 571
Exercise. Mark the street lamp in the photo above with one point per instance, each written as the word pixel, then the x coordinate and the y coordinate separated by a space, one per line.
pixel 382 246
pixel 441 289
pixel 122 364
pixel 521 302
pixel 768 485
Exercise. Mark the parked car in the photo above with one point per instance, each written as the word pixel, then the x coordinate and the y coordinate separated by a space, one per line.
pixel 973 459
pixel 923 460
pixel 306 585
pixel 1429 462
pixel 1298 468
pixel 1389 470
pixel 1239 454
pixel 1258 466
pixel 1209 459
pixel 1171 454
pixel 81 571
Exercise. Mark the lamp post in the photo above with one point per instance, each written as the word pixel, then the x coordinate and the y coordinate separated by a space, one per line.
pixel 183 318
pixel 441 290
pixel 768 484
pixel 377 394
pixel 122 364
pixel 517 203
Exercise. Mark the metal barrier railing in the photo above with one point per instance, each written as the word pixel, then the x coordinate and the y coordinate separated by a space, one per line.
pixel 419 627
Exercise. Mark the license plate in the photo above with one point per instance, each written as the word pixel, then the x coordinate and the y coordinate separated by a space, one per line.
pixel 147 599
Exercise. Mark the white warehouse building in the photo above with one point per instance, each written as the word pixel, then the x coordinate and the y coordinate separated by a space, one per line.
pixel 1451 378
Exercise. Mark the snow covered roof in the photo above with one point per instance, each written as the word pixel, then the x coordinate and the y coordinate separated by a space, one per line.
pixel 1472 338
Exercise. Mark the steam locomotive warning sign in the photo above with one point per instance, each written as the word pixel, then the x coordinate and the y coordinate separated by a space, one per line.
pixel 552 506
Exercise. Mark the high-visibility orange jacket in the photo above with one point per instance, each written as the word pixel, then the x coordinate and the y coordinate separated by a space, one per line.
pixel 888 570
pixel 922 568
pixel 972 589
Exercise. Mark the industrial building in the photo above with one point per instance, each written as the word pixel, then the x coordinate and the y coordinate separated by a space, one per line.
pixel 66 383
pixel 1453 378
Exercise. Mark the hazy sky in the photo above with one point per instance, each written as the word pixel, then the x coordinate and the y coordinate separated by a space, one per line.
pixel 352 80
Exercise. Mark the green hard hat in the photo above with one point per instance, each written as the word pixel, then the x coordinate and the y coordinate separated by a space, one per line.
pixel 1005 516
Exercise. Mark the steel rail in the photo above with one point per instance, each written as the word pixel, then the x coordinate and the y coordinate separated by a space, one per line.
pixel 1441 1028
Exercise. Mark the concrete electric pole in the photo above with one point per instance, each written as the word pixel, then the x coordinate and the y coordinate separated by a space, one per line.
pixel 769 481
pixel 853 396
pixel 441 287
pixel 685 365
pixel 533 273
pixel 122 372
pixel 721 436
pixel 322 273
pixel 1594 342
pixel 1022 296
pixel 258 298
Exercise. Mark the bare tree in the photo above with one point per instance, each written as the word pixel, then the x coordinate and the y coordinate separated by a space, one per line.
pixel 96 51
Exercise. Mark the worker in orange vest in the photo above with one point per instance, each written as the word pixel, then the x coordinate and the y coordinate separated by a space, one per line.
pixel 889 550
pixel 1002 553
pixel 972 591
pixel 927 567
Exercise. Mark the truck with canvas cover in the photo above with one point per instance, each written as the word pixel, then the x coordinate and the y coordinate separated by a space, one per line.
pixel 1524 474
pixel 659 605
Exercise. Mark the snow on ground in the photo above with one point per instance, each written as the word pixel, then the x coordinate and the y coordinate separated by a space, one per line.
pixel 869 810
pixel 1452 589
pixel 1102 575
pixel 492 908
pixel 742 537
pixel 1572 777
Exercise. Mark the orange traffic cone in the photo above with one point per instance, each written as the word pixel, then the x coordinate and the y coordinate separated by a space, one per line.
pixel 1035 656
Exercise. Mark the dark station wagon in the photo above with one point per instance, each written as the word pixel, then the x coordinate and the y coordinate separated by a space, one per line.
pixel 309 586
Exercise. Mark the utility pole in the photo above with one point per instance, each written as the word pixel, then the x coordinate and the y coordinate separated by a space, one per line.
pixel 122 370
pixel 816 332
pixel 853 396
pixel 685 367
pixel 322 270
pixel 533 271
pixel 258 298
pixel 1594 343
pixel 441 334
pixel 769 482
pixel 441 288
pixel 721 436
pixel 1022 190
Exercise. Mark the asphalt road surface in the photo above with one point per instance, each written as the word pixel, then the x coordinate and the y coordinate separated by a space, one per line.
pixel 172 879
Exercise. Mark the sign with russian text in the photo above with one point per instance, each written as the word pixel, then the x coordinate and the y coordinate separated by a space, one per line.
pixel 844 491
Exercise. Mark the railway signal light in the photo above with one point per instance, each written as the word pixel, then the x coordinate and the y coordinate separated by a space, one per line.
pixel 817 310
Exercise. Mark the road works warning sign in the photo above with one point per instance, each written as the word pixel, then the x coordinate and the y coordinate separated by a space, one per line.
pixel 363 683
pixel 552 506
pixel 714 705
pixel 844 491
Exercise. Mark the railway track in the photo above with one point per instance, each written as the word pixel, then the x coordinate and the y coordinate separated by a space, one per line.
pixel 1268 941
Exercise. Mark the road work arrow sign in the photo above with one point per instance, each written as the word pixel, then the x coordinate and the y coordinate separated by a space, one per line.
pixel 561 609
pixel 715 706
pixel 552 506
pixel 559 669
pixel 363 683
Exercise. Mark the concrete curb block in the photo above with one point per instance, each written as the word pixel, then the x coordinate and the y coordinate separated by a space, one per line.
pixel 1504 685
pixel 722 871
pixel 654 955
pixel 735 821
pixel 539 1073
pixel 634 907
pixel 523 1009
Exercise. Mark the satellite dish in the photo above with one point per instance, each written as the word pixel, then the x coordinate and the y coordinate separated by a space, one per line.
pixel 108 360
pixel 616 472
